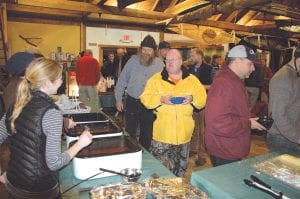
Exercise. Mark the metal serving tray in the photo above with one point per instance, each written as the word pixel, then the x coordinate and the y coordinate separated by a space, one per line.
pixel 100 125
pixel 87 117
pixel 96 128
pixel 109 146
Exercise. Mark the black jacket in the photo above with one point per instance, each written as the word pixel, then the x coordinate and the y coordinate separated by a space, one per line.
pixel 203 73
pixel 256 78
pixel 27 168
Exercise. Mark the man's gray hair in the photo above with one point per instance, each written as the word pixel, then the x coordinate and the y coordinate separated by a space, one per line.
pixel 88 52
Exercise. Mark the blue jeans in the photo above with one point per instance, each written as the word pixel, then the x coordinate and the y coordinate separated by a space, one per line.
pixel 216 161
pixel 280 143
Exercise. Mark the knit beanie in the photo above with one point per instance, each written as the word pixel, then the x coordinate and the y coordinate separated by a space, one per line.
pixel 149 42
pixel 18 63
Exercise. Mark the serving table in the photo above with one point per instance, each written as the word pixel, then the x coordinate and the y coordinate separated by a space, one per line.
pixel 107 99
pixel 226 181
pixel 150 165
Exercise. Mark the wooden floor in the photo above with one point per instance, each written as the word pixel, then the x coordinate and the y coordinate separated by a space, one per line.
pixel 258 147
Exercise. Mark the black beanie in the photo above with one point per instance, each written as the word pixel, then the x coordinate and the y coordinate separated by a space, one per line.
pixel 149 42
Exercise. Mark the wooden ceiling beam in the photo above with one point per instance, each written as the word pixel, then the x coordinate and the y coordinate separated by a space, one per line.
pixel 185 5
pixel 241 14
pixel 62 4
pixel 4 24
pixel 47 11
pixel 120 19
pixel 278 9
pixel 136 13
pixel 232 26
pixel 225 7
pixel 173 3
pixel 223 25
pixel 247 17
pixel 232 16
pixel 124 3
pixel 96 2
pixel 215 17
pixel 155 5
pixel 264 26
pixel 51 6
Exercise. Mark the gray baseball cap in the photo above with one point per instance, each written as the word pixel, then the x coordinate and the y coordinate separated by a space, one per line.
pixel 241 51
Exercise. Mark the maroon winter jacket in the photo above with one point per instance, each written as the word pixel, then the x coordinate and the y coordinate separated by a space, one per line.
pixel 227 130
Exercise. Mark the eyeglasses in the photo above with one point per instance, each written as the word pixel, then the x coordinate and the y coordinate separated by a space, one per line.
pixel 170 60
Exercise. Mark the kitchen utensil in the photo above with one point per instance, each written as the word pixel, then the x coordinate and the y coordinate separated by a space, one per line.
pixel 82 181
pixel 261 185
pixel 114 172
pixel 131 174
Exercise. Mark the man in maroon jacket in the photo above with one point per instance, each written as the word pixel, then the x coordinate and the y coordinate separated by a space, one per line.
pixel 87 77
pixel 227 115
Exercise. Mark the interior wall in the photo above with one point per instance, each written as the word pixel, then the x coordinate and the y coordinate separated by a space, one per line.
pixel 52 36
pixel 97 36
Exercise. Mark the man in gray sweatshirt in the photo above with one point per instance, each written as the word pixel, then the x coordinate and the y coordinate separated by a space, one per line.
pixel 285 106
pixel 133 78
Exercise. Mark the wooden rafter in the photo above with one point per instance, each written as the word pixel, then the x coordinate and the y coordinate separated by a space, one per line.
pixel 226 7
pixel 124 3
pixel 120 19
pixel 265 26
pixel 278 9
pixel 171 5
pixel 3 13
pixel 232 26
pixel 62 4
pixel 232 17
pixel 155 5
pixel 97 2
pixel 223 25
pixel 215 17
pixel 15 8
pixel 135 13
pixel 185 5
pixel 247 17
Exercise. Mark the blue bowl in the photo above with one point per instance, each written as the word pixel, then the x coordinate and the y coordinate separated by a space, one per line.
pixel 177 100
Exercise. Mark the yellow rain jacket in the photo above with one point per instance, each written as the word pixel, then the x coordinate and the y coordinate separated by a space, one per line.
pixel 174 123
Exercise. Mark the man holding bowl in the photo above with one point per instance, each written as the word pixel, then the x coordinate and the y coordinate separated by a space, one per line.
pixel 173 94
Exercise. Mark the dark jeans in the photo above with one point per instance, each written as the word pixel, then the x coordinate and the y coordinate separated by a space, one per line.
pixel 216 161
pixel 16 193
pixel 279 143
pixel 137 116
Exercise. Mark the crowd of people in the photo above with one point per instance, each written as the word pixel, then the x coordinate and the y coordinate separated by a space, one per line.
pixel 163 101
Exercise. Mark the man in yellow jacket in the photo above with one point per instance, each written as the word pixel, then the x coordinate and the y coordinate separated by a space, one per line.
pixel 173 94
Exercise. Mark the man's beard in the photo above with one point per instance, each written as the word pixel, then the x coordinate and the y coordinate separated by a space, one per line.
pixel 146 60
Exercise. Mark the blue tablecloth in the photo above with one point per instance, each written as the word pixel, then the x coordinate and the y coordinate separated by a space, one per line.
pixel 226 182
pixel 150 165
pixel 107 100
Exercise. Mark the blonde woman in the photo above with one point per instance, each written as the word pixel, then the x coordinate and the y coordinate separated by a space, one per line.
pixel 34 128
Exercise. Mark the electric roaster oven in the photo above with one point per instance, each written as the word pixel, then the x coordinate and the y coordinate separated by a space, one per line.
pixel 99 124
pixel 109 149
